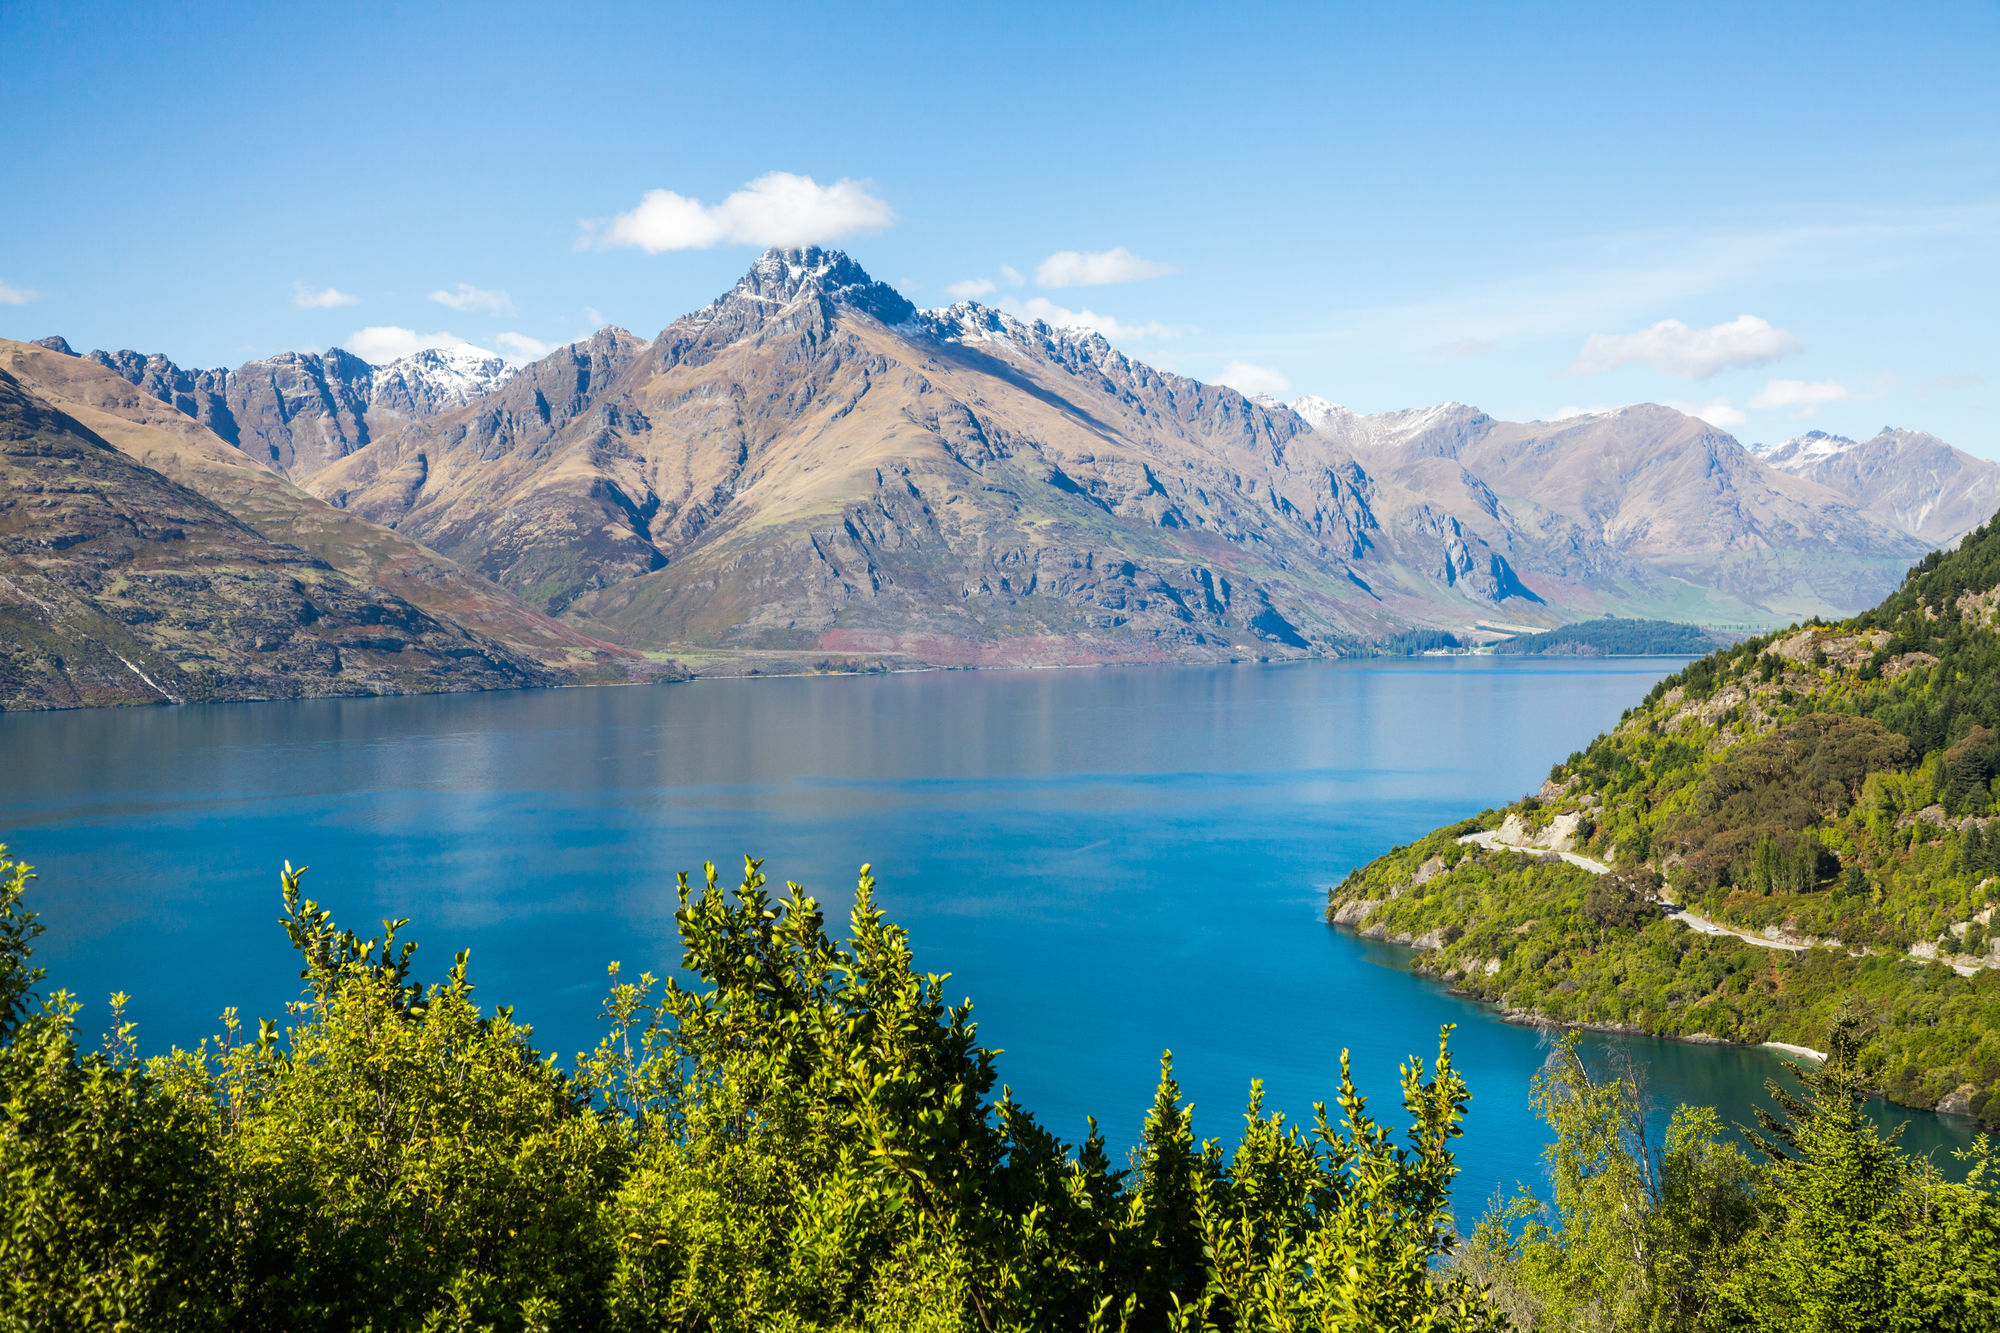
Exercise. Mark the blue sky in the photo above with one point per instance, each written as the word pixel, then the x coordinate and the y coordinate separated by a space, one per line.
pixel 1782 217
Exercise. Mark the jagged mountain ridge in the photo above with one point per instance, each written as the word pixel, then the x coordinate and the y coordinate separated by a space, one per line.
pixel 384 564
pixel 809 460
pixel 1906 477
pixel 812 461
pixel 297 412
pixel 119 585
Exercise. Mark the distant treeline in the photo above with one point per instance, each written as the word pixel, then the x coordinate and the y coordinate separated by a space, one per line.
pixel 1412 643
pixel 1613 637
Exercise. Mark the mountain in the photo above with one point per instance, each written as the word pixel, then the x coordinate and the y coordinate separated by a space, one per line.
pixel 1642 511
pixel 162 439
pixel 119 585
pixel 810 462
pixel 300 411
pixel 811 465
pixel 1913 480
pixel 1806 821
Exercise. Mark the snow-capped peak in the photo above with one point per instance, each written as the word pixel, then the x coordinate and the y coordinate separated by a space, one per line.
pixel 1802 451
pixel 1318 411
pixel 438 379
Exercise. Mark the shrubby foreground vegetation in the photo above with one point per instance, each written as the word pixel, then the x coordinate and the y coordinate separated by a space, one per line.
pixel 1834 786
pixel 805 1138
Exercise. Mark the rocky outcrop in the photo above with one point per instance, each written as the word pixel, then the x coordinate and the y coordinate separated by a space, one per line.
pixel 118 585
pixel 298 412
pixel 1958 1101
pixel 162 440
pixel 1906 477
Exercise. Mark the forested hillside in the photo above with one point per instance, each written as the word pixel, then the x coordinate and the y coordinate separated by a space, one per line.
pixel 1817 810
pixel 1612 636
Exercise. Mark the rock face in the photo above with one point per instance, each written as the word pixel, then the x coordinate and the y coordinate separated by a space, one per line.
pixel 118 585
pixel 811 464
pixel 161 439
pixel 298 412
pixel 1640 511
pixel 1913 480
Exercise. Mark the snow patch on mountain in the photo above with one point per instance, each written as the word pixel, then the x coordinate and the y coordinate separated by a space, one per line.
pixel 437 379
pixel 1801 452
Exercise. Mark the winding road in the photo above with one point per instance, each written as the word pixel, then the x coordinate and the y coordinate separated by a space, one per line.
pixel 1490 839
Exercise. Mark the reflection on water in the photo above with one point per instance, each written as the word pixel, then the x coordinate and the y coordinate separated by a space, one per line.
pixel 1112 863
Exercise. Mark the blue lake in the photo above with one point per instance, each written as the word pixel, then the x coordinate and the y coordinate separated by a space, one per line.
pixel 1110 863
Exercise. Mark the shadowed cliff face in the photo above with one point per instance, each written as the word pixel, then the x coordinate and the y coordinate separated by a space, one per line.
pixel 118 585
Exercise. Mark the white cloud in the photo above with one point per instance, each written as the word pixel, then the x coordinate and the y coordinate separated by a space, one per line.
pixel 1675 349
pixel 594 318
pixel 380 344
pixel 1718 412
pixel 1807 397
pixel 1247 377
pixel 971 289
pixel 1012 275
pixel 469 297
pixel 1040 307
pixel 520 348
pixel 1071 268
pixel 1617 278
pixel 16 295
pixel 319 298
pixel 778 208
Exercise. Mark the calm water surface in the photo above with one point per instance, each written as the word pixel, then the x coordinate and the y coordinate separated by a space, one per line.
pixel 1111 863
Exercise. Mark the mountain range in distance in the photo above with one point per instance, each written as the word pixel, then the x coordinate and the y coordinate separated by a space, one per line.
pixel 812 470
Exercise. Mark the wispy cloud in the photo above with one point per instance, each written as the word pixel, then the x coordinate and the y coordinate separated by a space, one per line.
pixel 778 208
pixel 1096 268
pixel 520 348
pixel 379 344
pixel 1634 274
pixel 469 297
pixel 1040 307
pixel 1719 412
pixel 972 289
pixel 1012 275
pixel 1673 348
pixel 1807 397
pixel 1946 382
pixel 594 318
pixel 16 295
pixel 320 298
pixel 1247 377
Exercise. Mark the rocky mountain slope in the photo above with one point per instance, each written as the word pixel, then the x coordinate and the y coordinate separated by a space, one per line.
pixel 812 465
pixel 119 585
pixel 1644 510
pixel 166 441
pixel 1807 820
pixel 811 462
pixel 300 411
pixel 1915 481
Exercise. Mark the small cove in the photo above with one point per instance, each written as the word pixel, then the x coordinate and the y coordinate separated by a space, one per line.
pixel 1109 862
